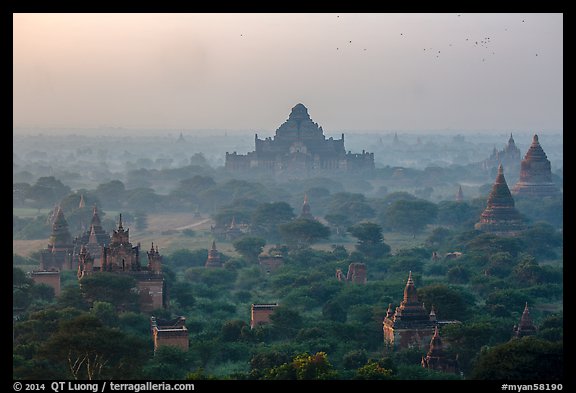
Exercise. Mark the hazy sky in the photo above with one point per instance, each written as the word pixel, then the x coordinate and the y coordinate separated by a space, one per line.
pixel 243 71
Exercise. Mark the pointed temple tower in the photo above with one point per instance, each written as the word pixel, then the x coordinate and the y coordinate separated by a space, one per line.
pixel 213 257
pixel 94 239
pixel 233 232
pixel 500 216
pixel 508 157
pixel 459 195
pixel 410 325
pixel 95 225
pixel 58 254
pixel 436 358
pixel 306 212
pixel 526 326
pixel 120 255
pixel 535 174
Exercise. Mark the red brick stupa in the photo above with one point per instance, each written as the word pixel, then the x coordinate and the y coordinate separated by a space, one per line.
pixel 500 216
pixel 526 326
pixel 436 359
pixel 213 257
pixel 535 174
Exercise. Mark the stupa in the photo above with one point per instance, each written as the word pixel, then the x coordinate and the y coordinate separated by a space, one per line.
pixel 535 174
pixel 500 216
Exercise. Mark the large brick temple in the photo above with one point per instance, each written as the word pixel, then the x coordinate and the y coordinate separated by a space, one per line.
pixel 500 216
pixel 535 174
pixel 299 148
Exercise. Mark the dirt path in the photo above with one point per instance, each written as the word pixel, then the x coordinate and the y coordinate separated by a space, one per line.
pixel 196 224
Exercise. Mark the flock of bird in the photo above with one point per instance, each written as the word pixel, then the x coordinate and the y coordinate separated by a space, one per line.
pixel 484 42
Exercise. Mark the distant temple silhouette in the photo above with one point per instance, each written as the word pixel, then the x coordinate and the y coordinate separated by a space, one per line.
pixel 299 148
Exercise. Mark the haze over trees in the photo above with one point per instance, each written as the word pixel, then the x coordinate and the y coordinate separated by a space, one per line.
pixel 398 219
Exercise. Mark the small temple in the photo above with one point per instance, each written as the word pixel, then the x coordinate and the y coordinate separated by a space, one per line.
pixel 213 259
pixel 436 359
pixel 94 240
pixel 525 327
pixel 169 333
pixel 58 254
pixel 459 195
pixel 508 157
pixel 535 174
pixel 306 211
pixel 500 216
pixel 260 313
pixel 121 257
pixel 410 325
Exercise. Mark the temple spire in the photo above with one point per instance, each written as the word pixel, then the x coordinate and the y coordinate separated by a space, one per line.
pixel 410 294
pixel 459 194
pixel 526 326
pixel 306 211
pixel 535 174
pixel 500 215
pixel 213 257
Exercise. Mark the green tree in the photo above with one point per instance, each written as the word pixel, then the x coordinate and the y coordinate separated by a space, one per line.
pixel 169 363
pixel 303 232
pixel 410 216
pixel 111 193
pixel 373 371
pixel 370 240
pixel 143 198
pixel 340 222
pixel 449 303
pixel 90 351
pixel 232 330
pixel 186 258
pixel 21 287
pixel 334 311
pixel 528 272
pixel 112 288
pixel 525 359
pixel 47 191
pixel 286 321
pixel 268 217
pixel 105 312
pixel 305 367
pixel 500 264
pixel 352 205
pixel 457 214
pixel 249 247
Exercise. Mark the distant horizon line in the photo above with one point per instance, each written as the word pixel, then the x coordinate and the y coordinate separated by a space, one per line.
pixel 178 130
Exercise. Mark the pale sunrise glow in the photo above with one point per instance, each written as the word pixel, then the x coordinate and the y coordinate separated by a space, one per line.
pixel 245 71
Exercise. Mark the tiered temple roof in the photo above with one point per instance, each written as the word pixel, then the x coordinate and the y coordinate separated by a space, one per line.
pixel 526 326
pixel 436 359
pixel 299 148
pixel 410 324
pixel 535 174
pixel 58 254
pixel 213 257
pixel 500 216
